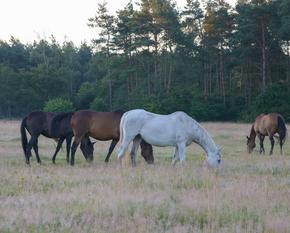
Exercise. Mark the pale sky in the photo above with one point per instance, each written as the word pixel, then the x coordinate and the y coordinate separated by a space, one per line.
pixel 30 20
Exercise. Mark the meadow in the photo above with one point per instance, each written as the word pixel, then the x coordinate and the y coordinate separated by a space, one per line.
pixel 248 193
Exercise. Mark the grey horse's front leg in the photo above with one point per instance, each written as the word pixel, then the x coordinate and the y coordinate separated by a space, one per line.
pixel 181 152
pixel 175 157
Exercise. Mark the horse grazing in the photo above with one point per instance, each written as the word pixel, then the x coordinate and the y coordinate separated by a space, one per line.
pixel 102 126
pixel 37 123
pixel 267 125
pixel 60 127
pixel 177 129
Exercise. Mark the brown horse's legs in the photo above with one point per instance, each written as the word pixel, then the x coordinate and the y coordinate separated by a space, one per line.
pixel 59 143
pixel 68 143
pixel 147 152
pixel 272 144
pixel 30 144
pixel 35 148
pixel 112 146
pixel 281 145
pixel 262 149
pixel 133 153
pixel 74 147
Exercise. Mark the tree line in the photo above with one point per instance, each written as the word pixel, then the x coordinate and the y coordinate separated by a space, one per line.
pixel 209 59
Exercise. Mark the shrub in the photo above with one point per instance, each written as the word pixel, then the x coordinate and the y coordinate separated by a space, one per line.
pixel 99 105
pixel 58 105
pixel 86 95
pixel 275 98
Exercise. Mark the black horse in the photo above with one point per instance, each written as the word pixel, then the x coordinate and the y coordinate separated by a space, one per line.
pixel 39 123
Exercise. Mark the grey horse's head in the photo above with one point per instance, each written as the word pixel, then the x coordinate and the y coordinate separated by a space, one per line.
pixel 214 158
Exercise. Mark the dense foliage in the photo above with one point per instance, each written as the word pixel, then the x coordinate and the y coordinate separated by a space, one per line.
pixel 211 60
pixel 58 105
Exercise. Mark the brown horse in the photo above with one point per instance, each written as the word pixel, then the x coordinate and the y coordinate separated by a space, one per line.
pixel 102 126
pixel 267 125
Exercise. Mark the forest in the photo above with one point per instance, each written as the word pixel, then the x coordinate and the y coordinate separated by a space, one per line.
pixel 214 61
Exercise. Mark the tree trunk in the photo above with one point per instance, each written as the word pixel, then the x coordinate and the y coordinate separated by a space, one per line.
pixel 148 80
pixel 222 75
pixel 210 79
pixel 169 76
pixel 109 84
pixel 263 58
pixel 205 76
pixel 156 81
pixel 217 78
pixel 288 65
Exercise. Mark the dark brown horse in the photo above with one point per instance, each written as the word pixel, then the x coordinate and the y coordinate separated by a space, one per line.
pixel 38 123
pixel 102 126
pixel 267 125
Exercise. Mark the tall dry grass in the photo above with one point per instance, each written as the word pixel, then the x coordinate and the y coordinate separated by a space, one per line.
pixel 249 193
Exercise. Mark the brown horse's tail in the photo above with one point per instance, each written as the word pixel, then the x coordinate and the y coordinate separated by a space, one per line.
pixel 282 130
pixel 23 135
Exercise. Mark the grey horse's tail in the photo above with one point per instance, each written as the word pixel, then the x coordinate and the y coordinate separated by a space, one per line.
pixel 122 128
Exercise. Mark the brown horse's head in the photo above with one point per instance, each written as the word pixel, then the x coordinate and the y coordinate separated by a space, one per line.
pixel 250 144
pixel 87 148
pixel 147 152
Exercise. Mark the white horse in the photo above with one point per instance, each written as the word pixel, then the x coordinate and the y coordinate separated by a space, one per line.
pixel 176 129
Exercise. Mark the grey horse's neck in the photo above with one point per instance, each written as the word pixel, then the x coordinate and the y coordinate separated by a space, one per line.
pixel 201 137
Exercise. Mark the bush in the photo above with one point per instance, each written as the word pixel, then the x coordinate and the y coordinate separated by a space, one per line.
pixel 276 98
pixel 58 105
pixel 212 109
pixel 99 105
pixel 86 95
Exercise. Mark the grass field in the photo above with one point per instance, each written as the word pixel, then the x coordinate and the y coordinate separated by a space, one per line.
pixel 249 193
